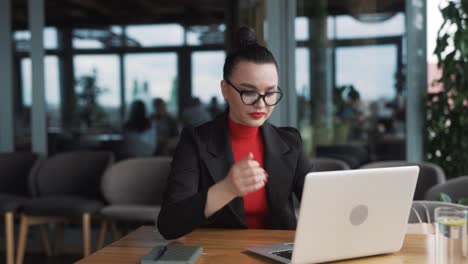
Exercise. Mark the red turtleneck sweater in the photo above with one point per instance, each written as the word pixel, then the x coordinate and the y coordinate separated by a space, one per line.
pixel 245 139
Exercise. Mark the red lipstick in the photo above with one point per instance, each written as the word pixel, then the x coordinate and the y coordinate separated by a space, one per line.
pixel 257 115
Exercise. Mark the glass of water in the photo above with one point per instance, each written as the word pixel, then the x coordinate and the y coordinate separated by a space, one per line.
pixel 451 235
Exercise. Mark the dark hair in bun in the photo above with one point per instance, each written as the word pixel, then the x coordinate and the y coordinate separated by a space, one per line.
pixel 245 37
pixel 246 48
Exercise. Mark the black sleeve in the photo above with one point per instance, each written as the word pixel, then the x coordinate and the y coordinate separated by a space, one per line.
pixel 174 131
pixel 183 207
pixel 304 166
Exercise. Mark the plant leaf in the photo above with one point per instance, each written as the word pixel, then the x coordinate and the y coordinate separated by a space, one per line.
pixel 443 197
pixel 463 201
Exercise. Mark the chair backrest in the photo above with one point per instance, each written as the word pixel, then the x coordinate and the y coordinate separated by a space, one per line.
pixel 429 174
pixel 15 168
pixel 329 164
pixel 139 181
pixel 73 173
pixel 456 188
pixel 423 211
pixel 353 155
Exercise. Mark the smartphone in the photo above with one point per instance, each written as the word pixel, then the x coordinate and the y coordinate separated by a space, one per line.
pixel 172 255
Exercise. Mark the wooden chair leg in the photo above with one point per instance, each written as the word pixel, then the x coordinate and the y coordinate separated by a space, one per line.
pixel 10 240
pixel 86 234
pixel 125 229
pixel 58 238
pixel 113 231
pixel 45 239
pixel 102 234
pixel 24 226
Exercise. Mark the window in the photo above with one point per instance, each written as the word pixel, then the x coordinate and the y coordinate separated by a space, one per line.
pixel 23 39
pixel 349 76
pixel 349 27
pixel 211 34
pixel 148 76
pixel 97 80
pixel 157 35
pixel 52 88
pixel 373 75
pixel 302 28
pixel 303 85
pixel 207 73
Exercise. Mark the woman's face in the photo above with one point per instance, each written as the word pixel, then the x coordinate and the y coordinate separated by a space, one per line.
pixel 249 76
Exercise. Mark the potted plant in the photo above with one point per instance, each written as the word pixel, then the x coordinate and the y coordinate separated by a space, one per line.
pixel 88 112
pixel 446 136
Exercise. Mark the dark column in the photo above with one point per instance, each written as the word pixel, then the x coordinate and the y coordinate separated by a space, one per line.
pixel 232 15
pixel 36 14
pixel 319 88
pixel 123 104
pixel 67 78
pixel 185 79
pixel 122 87
pixel 6 80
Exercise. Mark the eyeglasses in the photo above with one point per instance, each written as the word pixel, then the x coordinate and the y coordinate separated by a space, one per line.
pixel 251 97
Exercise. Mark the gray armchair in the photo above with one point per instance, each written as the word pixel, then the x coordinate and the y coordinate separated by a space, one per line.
pixel 134 190
pixel 67 188
pixel 15 168
pixel 429 174
pixel 329 164
pixel 456 188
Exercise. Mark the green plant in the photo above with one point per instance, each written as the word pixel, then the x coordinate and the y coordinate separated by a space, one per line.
pixel 446 136
pixel 88 112
pixel 443 197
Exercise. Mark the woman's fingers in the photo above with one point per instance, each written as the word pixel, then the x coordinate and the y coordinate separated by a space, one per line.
pixel 247 175
pixel 253 176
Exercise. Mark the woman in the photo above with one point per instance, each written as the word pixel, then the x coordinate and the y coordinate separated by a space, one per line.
pixel 237 171
pixel 139 133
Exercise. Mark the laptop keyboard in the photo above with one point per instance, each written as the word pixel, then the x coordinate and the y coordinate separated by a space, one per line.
pixel 284 254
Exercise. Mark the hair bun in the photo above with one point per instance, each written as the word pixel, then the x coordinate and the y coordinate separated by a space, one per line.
pixel 245 37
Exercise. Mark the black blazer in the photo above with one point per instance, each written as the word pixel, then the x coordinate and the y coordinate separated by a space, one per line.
pixel 204 156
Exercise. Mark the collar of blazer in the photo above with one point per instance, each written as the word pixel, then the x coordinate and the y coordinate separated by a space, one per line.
pixel 280 161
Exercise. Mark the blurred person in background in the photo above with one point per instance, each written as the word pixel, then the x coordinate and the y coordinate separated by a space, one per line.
pixel 214 108
pixel 166 126
pixel 139 134
pixel 195 113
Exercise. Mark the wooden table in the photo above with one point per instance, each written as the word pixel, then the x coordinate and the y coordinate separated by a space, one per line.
pixel 228 246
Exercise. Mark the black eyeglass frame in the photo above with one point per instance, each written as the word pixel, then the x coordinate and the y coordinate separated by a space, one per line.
pixel 259 96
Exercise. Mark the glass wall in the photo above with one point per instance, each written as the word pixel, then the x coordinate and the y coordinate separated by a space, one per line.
pixel 23 100
pixel 92 74
pixel 51 84
pixel 52 95
pixel 97 91
pixel 350 78
pixel 156 35
pixel 207 73
pixel 150 76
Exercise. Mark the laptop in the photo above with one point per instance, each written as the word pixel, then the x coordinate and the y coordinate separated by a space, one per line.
pixel 349 214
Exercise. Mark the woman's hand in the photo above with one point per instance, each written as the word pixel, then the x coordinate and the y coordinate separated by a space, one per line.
pixel 245 176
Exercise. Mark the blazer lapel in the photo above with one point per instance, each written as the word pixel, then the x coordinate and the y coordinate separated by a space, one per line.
pixel 279 162
pixel 219 160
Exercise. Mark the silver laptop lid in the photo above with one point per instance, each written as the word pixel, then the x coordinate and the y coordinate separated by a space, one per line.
pixel 353 213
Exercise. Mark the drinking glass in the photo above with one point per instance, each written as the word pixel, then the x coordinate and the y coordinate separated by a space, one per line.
pixel 451 235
